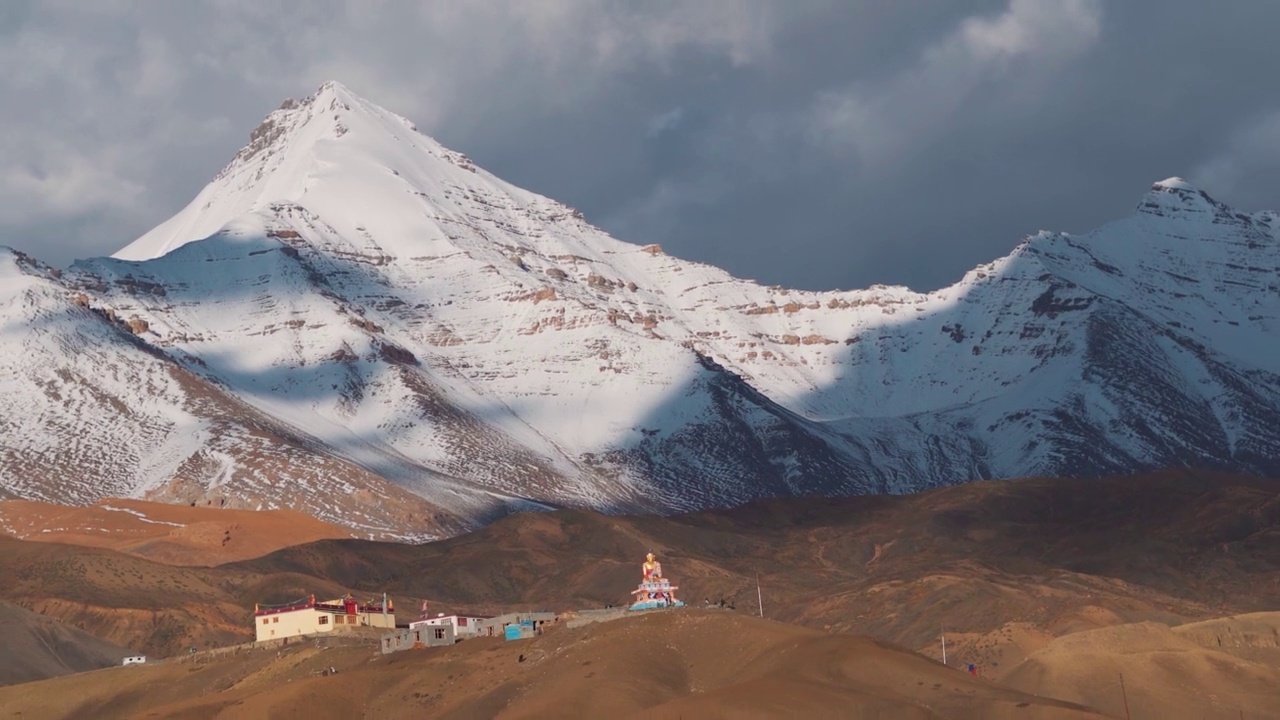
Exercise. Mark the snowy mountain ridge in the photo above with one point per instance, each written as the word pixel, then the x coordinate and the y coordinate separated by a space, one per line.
pixel 442 343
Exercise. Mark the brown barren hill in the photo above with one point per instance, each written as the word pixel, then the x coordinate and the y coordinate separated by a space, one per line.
pixel 1005 565
pixel 171 534
pixel 37 647
pixel 153 608
pixel 156 609
pixel 1165 675
pixel 705 664
pixel 1253 636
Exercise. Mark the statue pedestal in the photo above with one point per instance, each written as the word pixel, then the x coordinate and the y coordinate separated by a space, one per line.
pixel 653 594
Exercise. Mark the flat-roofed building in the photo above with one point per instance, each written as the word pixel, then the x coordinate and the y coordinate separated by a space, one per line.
pixel 497 626
pixel 309 617
pixel 463 625
pixel 422 636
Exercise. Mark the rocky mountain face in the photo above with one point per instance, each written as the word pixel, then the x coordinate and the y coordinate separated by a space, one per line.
pixel 356 322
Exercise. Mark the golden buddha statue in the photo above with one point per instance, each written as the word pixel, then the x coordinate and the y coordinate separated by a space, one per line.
pixel 651 569
pixel 655 591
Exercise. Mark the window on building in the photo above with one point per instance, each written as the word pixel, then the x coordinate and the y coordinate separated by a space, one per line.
pixel 323 620
pixel 462 622
pixel 266 620
pixel 439 633
pixel 275 619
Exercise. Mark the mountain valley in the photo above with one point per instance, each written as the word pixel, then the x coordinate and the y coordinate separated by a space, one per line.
pixel 1049 586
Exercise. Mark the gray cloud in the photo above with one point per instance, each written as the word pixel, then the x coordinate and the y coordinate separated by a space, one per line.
pixel 880 122
pixel 835 145
pixel 1251 152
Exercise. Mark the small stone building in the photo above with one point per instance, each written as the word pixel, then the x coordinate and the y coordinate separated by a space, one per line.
pixel 422 636
pixel 497 626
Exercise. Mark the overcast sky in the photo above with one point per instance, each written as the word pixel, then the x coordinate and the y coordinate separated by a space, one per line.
pixel 810 144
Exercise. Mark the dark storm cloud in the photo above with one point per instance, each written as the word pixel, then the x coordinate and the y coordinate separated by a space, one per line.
pixel 836 145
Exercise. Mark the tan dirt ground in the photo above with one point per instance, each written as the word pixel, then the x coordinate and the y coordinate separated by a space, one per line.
pixel 170 534
pixel 705 664
pixel 1166 674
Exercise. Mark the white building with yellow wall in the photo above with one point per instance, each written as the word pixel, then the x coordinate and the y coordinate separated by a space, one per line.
pixel 308 617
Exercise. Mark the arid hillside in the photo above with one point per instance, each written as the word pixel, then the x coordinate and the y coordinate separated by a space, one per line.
pixel 1003 566
pixel 170 534
pixel 704 664
pixel 150 607
pixel 37 647
pixel 1046 556
pixel 1163 672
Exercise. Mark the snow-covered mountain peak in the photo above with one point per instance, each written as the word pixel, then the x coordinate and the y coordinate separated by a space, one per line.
pixel 329 155
pixel 354 321
pixel 1176 198
pixel 1175 183
pixel 332 106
